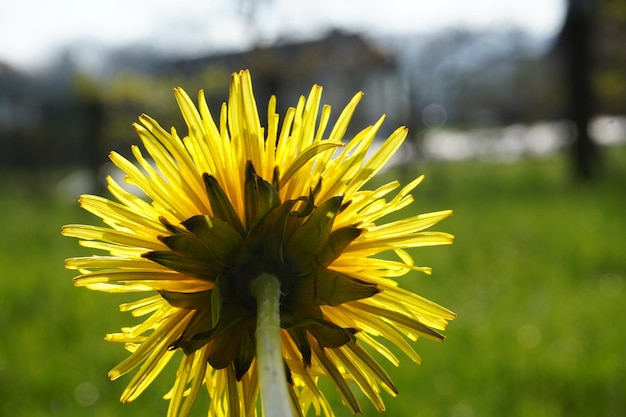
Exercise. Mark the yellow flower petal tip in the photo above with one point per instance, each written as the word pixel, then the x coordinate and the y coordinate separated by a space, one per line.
pixel 233 200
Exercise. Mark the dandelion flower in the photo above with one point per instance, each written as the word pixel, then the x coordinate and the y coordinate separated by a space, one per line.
pixel 233 210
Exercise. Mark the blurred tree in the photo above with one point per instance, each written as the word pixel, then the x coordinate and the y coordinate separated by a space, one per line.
pixel 576 43
pixel 609 77
pixel 90 113
pixel 249 10
pixel 127 94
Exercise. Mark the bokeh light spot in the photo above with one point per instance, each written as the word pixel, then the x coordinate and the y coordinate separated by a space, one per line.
pixel 611 285
pixel 86 394
pixel 529 336
pixel 462 410
pixel 434 115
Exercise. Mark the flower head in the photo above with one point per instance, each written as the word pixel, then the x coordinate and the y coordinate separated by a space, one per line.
pixel 231 201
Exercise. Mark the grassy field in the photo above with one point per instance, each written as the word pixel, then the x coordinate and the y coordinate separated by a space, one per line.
pixel 537 276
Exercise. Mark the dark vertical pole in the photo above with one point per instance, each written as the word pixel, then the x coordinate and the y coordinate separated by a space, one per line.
pixel 93 114
pixel 577 41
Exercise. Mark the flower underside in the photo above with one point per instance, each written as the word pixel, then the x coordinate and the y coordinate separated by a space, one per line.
pixel 232 201
pixel 292 240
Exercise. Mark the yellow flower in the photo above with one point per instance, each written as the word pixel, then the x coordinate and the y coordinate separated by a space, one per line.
pixel 232 201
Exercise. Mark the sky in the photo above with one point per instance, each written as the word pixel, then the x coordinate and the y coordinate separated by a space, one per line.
pixel 33 31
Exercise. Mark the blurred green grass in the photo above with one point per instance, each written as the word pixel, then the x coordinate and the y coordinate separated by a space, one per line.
pixel 537 276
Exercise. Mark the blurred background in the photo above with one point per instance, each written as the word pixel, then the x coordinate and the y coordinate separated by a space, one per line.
pixel 517 114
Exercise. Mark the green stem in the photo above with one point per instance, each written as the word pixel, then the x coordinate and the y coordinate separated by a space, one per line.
pixel 272 381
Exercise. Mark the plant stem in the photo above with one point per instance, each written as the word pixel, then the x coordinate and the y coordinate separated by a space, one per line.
pixel 272 381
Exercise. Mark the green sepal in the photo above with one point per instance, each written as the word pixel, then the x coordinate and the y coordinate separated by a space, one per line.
pixel 276 177
pixel 271 232
pixel 216 301
pixel 301 317
pixel 260 197
pixel 189 301
pixel 308 207
pixel 337 242
pixel 223 346
pixel 188 245
pixel 294 314
pixel 329 335
pixel 217 236
pixel 193 267
pixel 245 353
pixel 301 340
pixel 327 287
pixel 221 205
pixel 200 324
pixel 345 205
pixel 318 187
pixel 268 236
pixel 312 235
pixel 170 227
pixel 229 314
pixel 289 379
